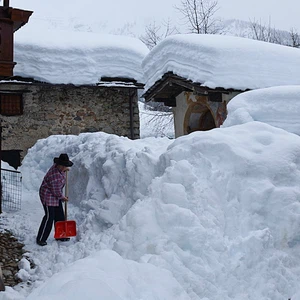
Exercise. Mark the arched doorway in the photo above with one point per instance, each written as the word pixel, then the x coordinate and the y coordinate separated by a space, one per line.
pixel 198 118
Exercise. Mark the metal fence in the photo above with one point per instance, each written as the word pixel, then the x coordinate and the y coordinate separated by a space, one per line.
pixel 11 185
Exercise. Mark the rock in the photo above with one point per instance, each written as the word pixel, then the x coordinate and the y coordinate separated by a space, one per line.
pixel 11 253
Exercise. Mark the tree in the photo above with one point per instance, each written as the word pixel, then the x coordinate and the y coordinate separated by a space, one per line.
pixel 155 33
pixel 266 33
pixel 162 123
pixel 295 38
pixel 199 15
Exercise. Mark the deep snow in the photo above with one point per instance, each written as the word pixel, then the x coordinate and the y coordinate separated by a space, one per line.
pixel 66 57
pixel 221 61
pixel 212 215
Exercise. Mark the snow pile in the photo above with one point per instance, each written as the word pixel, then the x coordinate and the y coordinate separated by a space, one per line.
pixel 277 106
pixel 106 275
pixel 107 166
pixel 223 61
pixel 224 215
pixel 76 57
pixel 5 165
pixel 219 210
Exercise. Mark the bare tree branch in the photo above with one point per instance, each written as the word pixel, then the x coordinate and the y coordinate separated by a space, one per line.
pixel 161 122
pixel 155 33
pixel 295 38
pixel 266 33
pixel 199 15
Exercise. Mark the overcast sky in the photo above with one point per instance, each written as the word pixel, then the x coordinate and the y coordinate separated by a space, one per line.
pixel 283 14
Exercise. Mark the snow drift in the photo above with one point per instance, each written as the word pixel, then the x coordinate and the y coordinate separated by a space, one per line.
pixel 278 106
pixel 219 210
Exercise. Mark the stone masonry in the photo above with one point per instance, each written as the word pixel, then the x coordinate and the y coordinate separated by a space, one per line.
pixel 67 109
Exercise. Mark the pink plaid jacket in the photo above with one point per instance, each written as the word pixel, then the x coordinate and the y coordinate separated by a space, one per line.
pixel 51 190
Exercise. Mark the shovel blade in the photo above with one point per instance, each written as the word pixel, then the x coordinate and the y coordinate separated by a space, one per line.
pixel 65 229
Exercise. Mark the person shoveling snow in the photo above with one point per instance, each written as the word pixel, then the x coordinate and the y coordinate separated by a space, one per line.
pixel 51 195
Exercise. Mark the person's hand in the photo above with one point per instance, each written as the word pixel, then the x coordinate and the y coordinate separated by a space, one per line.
pixel 65 198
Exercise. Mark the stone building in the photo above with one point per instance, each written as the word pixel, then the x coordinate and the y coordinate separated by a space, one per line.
pixel 32 111
pixel 69 83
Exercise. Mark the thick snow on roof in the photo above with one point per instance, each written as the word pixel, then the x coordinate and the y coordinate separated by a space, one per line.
pixel 76 57
pixel 223 61
pixel 278 106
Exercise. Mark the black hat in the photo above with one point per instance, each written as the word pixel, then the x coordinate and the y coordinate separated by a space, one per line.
pixel 63 160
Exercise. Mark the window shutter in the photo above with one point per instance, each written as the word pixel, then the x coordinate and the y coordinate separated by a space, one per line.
pixel 11 104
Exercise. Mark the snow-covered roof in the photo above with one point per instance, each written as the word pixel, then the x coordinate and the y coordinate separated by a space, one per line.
pixel 278 106
pixel 76 57
pixel 223 61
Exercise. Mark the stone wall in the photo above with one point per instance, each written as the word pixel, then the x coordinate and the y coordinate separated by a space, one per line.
pixel 68 109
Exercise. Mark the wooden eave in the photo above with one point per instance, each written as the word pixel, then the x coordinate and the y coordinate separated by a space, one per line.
pixel 124 80
pixel 171 85
pixel 19 80
pixel 19 17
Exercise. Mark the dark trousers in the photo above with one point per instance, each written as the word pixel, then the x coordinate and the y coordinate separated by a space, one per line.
pixel 52 213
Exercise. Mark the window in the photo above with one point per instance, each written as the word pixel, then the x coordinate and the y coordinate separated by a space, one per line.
pixel 11 104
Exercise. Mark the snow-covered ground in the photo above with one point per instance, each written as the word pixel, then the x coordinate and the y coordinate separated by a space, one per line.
pixel 212 215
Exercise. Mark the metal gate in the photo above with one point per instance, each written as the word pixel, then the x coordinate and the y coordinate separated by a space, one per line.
pixel 11 188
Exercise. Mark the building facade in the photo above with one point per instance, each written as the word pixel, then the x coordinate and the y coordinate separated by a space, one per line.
pixel 194 107
pixel 32 111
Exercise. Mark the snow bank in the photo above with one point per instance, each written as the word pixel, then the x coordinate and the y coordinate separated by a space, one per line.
pixel 5 165
pixel 76 57
pixel 107 166
pixel 278 106
pixel 223 61
pixel 224 216
pixel 106 275
pixel 219 209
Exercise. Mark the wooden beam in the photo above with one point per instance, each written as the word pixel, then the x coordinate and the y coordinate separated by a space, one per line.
pixel 122 79
pixel 170 103
pixel 171 85
pixel 19 17
pixel 215 97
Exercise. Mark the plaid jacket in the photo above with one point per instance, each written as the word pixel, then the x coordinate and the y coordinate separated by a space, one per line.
pixel 51 190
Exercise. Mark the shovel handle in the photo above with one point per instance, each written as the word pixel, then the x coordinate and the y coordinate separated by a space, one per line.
pixel 66 195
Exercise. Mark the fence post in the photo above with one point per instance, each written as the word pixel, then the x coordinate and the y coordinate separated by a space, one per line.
pixel 0 166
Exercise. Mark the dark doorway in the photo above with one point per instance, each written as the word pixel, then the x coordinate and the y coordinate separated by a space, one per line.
pixel 12 157
pixel 207 121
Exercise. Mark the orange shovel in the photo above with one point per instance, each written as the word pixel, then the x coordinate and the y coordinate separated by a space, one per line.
pixel 65 229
